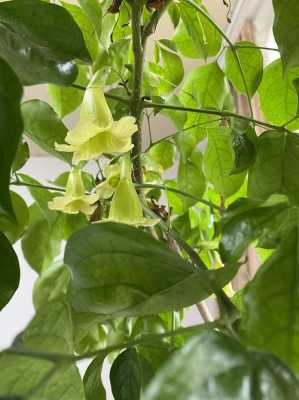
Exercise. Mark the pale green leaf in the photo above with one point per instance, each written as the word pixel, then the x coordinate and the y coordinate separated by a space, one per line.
pixel 251 61
pixel 219 162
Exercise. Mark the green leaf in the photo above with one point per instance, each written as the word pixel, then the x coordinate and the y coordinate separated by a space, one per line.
pixel 11 128
pixel 271 301
pixel 278 96
pixel 174 14
pixel 163 154
pixel 38 246
pixel 21 157
pixel 94 13
pixel 14 230
pixel 42 197
pixel 40 41
pixel 126 376
pixel 205 87
pixel 286 29
pixel 251 60
pixel 43 126
pixel 168 68
pixel 9 271
pixel 177 117
pixel 195 36
pixel 66 99
pixel 118 270
pixel 246 220
pixel 86 27
pixel 244 142
pixel 219 160
pixel 214 366
pixel 191 178
pixel 276 167
pixel 41 241
pixel 52 284
pixel 50 332
pixel 93 386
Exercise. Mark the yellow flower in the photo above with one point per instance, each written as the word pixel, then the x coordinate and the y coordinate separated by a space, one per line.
pixel 75 200
pixel 96 132
pixel 106 189
pixel 126 206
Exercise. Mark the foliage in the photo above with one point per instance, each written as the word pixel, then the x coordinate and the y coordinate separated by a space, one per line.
pixel 121 252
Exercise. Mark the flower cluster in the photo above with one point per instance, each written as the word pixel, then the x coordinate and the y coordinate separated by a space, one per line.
pixel 97 133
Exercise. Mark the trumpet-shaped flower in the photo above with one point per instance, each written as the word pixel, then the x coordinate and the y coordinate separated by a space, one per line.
pixel 126 206
pixel 96 132
pixel 75 200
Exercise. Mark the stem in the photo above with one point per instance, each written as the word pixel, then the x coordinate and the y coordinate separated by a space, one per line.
pixel 226 114
pixel 56 357
pixel 150 27
pixel 37 186
pixel 247 46
pixel 136 100
pixel 107 95
pixel 169 189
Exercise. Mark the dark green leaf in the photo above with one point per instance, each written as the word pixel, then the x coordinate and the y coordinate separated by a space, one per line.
pixel 213 366
pixel 276 168
pixel 21 157
pixel 14 230
pixel 219 161
pixel 43 126
pixel 50 332
pixel 11 127
pixel 278 96
pixel 9 271
pixel 126 376
pixel 244 142
pixel 93 386
pixel 118 270
pixel 251 60
pixel 40 41
pixel 286 29
pixel 246 220
pixel 271 301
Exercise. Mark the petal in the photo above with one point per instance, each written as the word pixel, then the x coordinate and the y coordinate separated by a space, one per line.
pixel 59 203
pixel 124 128
pixel 104 190
pixel 83 132
pixel 102 143
pixel 79 205
pixel 94 106
pixel 91 198
pixel 125 205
